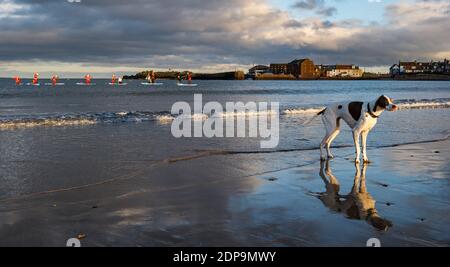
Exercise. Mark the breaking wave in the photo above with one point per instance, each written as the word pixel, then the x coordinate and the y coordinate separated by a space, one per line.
pixel 29 123
pixel 247 113
pixel 424 103
pixel 302 111
pixel 81 119
pixel 165 117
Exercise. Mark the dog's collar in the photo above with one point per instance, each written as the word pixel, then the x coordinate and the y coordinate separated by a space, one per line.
pixel 371 113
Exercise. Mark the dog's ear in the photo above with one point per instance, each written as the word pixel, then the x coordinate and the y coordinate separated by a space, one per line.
pixel 382 102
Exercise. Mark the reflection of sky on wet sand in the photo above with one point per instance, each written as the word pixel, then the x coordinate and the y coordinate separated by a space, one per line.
pixel 182 203
pixel 432 163
pixel 224 200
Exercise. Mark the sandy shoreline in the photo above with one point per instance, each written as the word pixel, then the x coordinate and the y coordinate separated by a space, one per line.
pixel 277 199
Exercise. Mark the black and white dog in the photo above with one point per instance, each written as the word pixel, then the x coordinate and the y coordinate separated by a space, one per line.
pixel 360 116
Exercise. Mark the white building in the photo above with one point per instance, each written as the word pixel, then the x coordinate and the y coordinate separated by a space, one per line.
pixel 352 71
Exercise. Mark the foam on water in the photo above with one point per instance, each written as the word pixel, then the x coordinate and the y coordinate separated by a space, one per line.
pixel 165 117
pixel 424 103
pixel 44 122
pixel 246 114
pixel 303 111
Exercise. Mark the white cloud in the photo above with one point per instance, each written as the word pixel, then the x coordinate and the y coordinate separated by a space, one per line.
pixel 11 10
pixel 210 35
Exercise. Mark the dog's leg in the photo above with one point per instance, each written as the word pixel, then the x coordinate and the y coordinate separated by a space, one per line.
pixel 356 134
pixel 330 140
pixel 364 146
pixel 322 144
pixel 330 123
pixel 322 147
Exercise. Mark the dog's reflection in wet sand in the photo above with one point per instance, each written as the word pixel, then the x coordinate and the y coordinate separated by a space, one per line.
pixel 358 204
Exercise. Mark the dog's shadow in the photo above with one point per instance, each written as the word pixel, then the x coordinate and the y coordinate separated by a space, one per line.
pixel 358 204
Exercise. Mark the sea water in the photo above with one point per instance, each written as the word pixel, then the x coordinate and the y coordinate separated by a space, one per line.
pixel 50 137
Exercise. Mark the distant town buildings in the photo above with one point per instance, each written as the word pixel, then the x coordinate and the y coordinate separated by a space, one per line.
pixel 337 71
pixel 278 68
pixel 299 68
pixel 306 69
pixel 415 67
pixel 302 69
pixel 258 69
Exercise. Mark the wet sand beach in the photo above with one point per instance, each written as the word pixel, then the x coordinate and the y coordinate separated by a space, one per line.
pixel 271 199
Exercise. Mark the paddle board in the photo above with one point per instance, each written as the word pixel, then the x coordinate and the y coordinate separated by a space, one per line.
pixel 86 84
pixel 187 84
pixel 118 84
pixel 58 84
pixel 154 84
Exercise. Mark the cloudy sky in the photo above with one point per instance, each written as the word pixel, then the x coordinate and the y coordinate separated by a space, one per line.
pixel 126 36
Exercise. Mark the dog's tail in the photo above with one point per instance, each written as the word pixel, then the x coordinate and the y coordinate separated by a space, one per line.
pixel 322 112
pixel 307 122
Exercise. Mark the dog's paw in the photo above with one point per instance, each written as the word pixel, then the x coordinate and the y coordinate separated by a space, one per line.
pixel 323 158
pixel 367 161
pixel 357 161
pixel 330 156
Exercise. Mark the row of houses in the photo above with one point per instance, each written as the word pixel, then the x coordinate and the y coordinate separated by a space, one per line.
pixel 331 71
pixel 306 69
pixel 415 67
